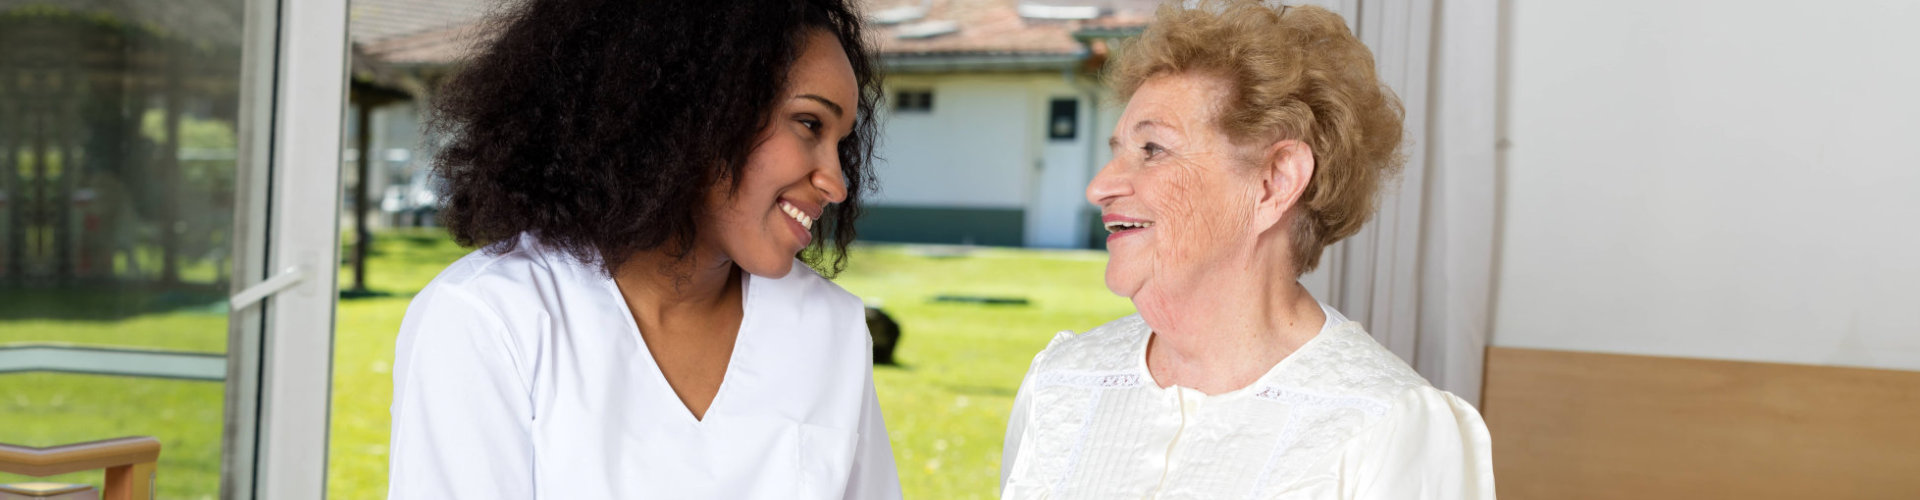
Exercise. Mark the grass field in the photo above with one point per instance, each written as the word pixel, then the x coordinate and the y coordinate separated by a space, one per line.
pixel 45 409
pixel 945 404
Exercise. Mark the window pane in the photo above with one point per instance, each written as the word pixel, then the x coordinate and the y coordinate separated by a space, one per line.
pixel 118 160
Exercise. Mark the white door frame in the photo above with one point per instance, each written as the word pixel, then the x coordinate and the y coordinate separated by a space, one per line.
pixel 298 351
pixel 280 351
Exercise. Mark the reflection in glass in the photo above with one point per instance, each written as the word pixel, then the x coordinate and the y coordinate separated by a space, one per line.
pixel 118 156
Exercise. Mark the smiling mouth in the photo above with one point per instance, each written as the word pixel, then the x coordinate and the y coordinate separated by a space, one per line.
pixel 1118 226
pixel 797 215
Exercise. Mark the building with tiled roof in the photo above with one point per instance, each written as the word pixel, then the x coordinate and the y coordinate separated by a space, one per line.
pixel 908 32
pixel 988 137
pixel 932 34
pixel 996 118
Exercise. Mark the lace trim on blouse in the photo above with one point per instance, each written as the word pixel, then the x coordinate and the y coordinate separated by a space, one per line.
pixel 1309 411
pixel 1084 380
pixel 1088 380
pixel 1304 399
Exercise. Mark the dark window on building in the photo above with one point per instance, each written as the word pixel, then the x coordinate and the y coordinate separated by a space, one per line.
pixel 1063 119
pixel 913 101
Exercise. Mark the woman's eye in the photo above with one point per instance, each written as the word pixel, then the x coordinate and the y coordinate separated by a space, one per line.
pixel 811 124
pixel 1153 150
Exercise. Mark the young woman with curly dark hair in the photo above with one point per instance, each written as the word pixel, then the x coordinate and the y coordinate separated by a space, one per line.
pixel 640 176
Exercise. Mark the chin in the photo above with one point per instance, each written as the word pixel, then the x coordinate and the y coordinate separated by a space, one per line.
pixel 1120 283
pixel 767 267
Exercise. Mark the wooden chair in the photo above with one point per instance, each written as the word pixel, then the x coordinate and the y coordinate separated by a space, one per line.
pixel 130 463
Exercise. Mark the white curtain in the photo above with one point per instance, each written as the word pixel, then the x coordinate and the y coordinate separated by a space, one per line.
pixel 1419 276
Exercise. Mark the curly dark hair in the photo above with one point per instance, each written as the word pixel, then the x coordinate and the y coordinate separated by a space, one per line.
pixel 599 126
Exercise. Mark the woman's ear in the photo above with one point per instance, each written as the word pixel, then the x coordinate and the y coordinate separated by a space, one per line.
pixel 1285 169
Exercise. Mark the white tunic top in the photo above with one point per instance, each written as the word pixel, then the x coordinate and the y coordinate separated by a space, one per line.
pixel 523 376
pixel 1340 418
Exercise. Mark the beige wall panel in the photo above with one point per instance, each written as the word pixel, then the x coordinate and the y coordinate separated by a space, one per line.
pixel 1575 425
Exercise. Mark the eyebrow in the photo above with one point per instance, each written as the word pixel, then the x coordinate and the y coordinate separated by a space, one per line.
pixel 837 110
pixel 1114 142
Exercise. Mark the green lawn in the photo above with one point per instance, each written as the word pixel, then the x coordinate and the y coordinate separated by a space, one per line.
pixel 946 404
pixel 45 409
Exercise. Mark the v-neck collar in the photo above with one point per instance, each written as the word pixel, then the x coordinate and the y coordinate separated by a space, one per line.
pixel 749 285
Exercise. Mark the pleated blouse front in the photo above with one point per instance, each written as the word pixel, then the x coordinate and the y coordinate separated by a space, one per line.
pixel 1342 417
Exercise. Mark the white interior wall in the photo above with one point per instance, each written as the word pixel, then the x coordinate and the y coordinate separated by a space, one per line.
pixel 1717 179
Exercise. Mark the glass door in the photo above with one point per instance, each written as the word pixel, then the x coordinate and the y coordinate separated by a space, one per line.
pixel 144 182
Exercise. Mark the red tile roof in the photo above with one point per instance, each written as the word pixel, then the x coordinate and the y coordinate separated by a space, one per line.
pixel 370 21
pixel 433 47
pixel 439 32
pixel 997 27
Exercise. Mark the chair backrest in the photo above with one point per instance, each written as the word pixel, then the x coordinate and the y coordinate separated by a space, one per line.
pixel 130 462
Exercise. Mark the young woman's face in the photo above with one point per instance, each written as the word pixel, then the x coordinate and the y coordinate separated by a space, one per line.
pixel 794 170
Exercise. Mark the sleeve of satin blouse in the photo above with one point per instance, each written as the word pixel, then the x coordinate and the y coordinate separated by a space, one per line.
pixel 1431 446
pixel 462 409
pixel 1016 425
pixel 874 475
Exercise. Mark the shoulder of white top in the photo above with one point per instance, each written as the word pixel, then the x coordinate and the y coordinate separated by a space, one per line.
pixel 805 284
pixel 1347 362
pixel 1108 346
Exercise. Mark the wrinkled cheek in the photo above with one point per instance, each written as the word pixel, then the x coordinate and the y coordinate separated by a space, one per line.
pixel 1176 213
pixel 1199 227
pixel 1177 235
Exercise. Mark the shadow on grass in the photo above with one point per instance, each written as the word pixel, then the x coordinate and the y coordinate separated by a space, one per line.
pixel 419 238
pixel 415 239
pixel 364 294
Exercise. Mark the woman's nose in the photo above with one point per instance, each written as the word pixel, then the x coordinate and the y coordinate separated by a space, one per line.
pixel 1107 185
pixel 831 180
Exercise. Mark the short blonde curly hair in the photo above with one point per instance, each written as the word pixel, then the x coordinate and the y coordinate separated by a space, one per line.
pixel 1295 73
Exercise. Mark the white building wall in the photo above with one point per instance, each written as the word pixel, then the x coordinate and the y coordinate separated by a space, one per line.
pixel 985 145
pixel 971 151
pixel 1716 179
pixel 1058 214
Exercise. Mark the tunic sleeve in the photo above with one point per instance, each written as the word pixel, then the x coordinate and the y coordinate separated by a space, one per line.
pixel 874 476
pixel 462 409
pixel 1430 446
pixel 1017 424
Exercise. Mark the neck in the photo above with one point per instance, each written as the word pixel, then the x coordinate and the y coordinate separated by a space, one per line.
pixel 1231 326
pixel 658 286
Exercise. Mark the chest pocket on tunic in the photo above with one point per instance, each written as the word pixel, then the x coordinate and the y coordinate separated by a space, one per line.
pixel 825 456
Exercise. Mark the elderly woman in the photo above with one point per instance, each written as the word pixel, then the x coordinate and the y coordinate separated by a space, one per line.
pixel 1252 138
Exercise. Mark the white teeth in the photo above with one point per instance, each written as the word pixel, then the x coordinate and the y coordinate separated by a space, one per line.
pixel 796 214
pixel 1115 227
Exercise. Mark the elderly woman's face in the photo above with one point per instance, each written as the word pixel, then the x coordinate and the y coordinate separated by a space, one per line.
pixel 1178 196
pixel 794 170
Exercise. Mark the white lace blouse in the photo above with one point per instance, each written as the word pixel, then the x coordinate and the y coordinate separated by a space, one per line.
pixel 1341 418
